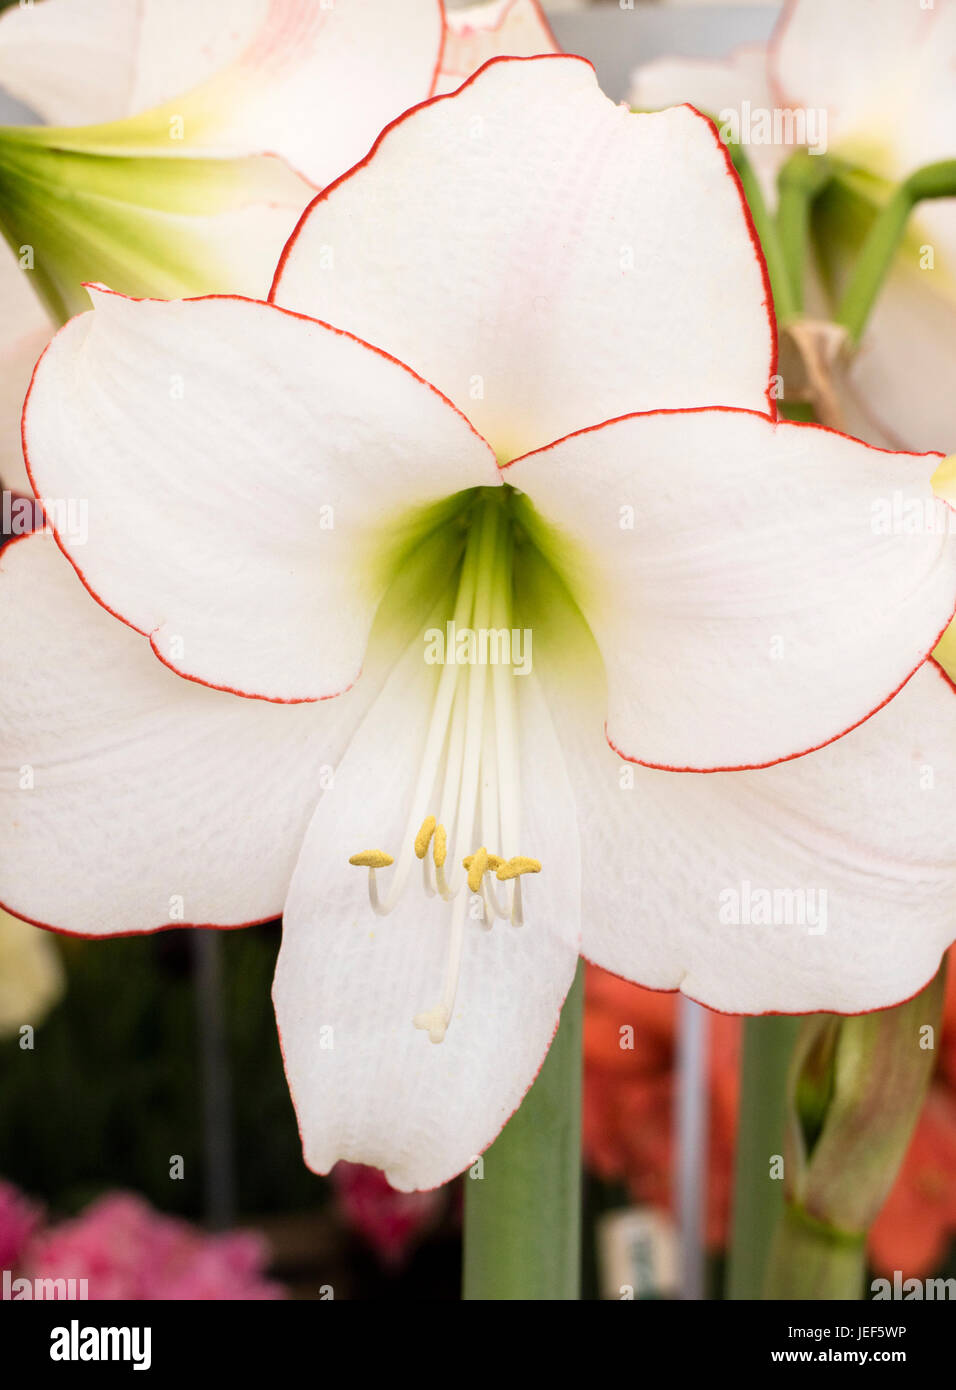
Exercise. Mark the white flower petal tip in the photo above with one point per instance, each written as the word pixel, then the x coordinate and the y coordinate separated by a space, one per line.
pixel 500 28
pixel 555 241
pixel 693 612
pixel 283 499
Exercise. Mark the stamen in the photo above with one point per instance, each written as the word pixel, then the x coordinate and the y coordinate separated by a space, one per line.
pixel 476 868
pixel 434 1022
pixel 493 860
pixel 520 864
pixel 469 772
pixel 423 838
pixel 371 859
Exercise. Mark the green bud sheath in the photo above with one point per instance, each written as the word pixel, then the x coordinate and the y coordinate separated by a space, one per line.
pixel 856 1088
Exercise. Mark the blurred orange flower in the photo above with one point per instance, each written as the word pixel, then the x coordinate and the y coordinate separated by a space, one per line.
pixel 630 1053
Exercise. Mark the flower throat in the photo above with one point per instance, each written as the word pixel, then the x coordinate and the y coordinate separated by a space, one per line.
pixel 464 813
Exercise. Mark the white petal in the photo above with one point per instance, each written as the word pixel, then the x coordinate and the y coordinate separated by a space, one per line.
pixel 752 586
pixel 25 330
pixel 367 1085
pixel 498 28
pixel 72 61
pixel 907 362
pixel 131 800
pixel 251 478
pixel 558 262
pixel 881 70
pixel 315 83
pixel 309 81
pixel 710 84
pixel 860 837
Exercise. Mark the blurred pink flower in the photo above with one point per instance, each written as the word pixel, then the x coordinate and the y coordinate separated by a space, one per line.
pixel 127 1250
pixel 391 1222
pixel 19 1218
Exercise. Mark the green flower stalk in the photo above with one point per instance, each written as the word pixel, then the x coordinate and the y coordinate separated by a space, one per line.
pixel 855 1091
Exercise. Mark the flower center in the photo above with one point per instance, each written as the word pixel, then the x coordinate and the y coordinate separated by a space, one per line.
pixel 464 814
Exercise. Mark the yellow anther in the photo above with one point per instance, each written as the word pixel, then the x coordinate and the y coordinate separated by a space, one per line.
pixel 476 869
pixel 520 864
pixel 494 861
pixel 371 859
pixel 423 838
pixel 440 846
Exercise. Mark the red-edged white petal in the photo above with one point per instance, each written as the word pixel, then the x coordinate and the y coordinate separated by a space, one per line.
pixel 307 80
pixel 368 1085
pixel 131 800
pixel 882 71
pixel 859 838
pixel 251 478
pixel 498 28
pixel 746 581
pixel 729 90
pixel 561 260
pixel 25 330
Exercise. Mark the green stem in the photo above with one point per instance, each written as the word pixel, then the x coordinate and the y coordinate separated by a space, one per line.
pixel 812 1261
pixel 800 182
pixel 884 240
pixel 523 1215
pixel 758 1197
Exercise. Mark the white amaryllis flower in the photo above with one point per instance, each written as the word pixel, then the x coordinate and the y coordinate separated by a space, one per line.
pixel 872 83
pixel 303 79
pixel 438 420
pixel 182 199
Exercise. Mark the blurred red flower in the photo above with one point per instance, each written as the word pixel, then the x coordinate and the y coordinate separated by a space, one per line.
pixel 391 1222
pixel 19 1219
pixel 128 1250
